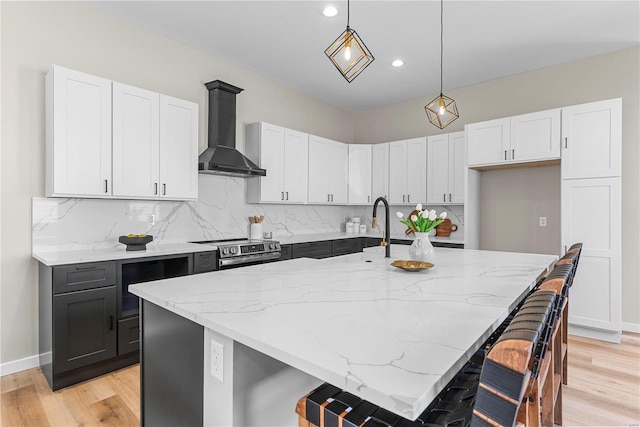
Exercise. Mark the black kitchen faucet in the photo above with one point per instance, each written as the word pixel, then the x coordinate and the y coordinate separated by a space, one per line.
pixel 387 224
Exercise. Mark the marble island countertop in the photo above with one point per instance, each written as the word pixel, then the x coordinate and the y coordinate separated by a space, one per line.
pixel 392 337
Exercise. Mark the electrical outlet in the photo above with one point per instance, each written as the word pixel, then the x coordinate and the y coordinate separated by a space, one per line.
pixel 217 360
pixel 543 221
pixel 151 219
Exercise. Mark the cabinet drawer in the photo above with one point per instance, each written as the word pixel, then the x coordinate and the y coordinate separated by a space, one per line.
pixel 83 276
pixel 128 335
pixel 369 242
pixel 312 250
pixel 205 261
pixel 345 246
pixel 285 252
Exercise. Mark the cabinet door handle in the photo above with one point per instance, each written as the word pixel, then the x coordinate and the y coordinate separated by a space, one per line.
pixel 368 199
pixel 282 195
pixel 155 188
pixel 565 142
pixel 444 197
pixel 332 197
pixel 513 154
pixel 328 197
pixel 449 197
pixel 111 323
pixel 505 154
pixel 408 198
pixel 164 189
pixel 106 186
pixel 287 195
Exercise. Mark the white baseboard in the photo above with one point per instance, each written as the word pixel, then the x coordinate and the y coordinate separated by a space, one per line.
pixel 631 327
pixel 14 366
pixel 596 334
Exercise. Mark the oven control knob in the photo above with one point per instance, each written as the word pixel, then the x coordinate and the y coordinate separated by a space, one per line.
pixel 225 251
pixel 233 250
pixel 271 246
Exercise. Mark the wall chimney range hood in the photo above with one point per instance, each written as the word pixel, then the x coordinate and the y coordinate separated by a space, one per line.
pixel 221 157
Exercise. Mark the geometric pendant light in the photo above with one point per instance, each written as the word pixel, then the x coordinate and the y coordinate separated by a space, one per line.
pixel 349 53
pixel 442 110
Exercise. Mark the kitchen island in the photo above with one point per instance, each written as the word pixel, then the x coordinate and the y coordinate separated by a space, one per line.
pixel 273 331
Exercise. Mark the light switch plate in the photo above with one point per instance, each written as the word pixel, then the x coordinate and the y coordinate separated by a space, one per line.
pixel 543 221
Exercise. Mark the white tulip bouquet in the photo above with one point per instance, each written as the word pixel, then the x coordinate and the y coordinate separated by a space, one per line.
pixel 422 221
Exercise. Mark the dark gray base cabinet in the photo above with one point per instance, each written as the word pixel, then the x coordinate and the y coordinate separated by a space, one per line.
pixel 78 323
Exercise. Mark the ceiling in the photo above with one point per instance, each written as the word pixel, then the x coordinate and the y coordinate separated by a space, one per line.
pixel 483 40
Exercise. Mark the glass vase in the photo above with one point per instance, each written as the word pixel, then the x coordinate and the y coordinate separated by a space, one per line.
pixel 421 249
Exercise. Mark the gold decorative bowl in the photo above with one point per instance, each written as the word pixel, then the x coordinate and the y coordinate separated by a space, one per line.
pixel 412 265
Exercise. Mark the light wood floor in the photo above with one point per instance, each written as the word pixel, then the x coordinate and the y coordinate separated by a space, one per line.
pixel 603 389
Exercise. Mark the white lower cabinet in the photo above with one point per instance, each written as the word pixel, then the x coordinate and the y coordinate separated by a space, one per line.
pixel 78 134
pixel 284 154
pixel 328 171
pixel 408 171
pixel 359 181
pixel 445 168
pixel 591 214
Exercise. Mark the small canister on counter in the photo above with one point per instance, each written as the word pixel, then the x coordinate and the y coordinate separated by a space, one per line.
pixel 350 227
pixel 363 228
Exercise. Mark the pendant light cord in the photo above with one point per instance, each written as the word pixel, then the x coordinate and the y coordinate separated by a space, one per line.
pixel 441 42
pixel 348 13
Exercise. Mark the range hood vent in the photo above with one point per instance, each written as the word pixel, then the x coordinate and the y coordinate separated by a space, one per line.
pixel 221 156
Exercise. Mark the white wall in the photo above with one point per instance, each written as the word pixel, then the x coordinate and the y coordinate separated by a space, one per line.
pixel 36 35
pixel 593 79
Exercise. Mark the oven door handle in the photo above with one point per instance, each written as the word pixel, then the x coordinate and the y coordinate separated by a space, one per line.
pixel 247 259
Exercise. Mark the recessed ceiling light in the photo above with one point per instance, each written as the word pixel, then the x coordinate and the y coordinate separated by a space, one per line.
pixel 398 63
pixel 330 11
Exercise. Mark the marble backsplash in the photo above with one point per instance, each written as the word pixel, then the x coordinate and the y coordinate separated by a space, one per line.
pixel 221 211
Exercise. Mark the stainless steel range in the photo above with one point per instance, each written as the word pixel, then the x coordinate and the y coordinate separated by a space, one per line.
pixel 241 252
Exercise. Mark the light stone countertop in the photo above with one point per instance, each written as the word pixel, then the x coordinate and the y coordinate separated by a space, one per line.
pixel 62 257
pixel 392 337
pixel 301 238
pixel 52 256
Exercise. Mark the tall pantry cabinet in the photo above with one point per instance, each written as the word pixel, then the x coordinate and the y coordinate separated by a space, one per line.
pixel 592 214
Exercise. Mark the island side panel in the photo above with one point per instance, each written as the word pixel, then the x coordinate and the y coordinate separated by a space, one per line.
pixel 171 369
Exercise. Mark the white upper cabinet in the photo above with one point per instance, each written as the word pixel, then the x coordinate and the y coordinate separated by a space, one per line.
pixel 155 144
pixel 380 171
pixel 488 142
pixel 78 134
pixel 178 148
pixel 592 140
pixel 535 136
pixel 284 154
pixel 136 141
pixel 445 168
pixel 408 171
pixel 328 171
pixel 524 138
pixel 359 174
pixel 108 139
pixel 398 172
